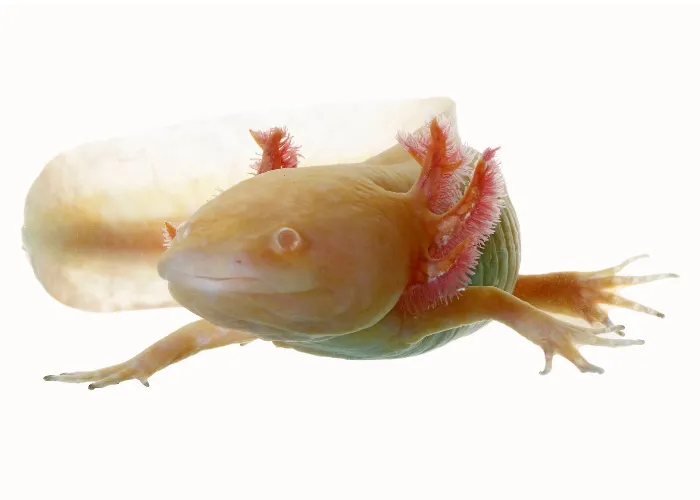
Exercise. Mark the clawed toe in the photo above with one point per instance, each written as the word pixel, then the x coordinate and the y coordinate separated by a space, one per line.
pixel 100 378
pixel 562 339
pixel 598 288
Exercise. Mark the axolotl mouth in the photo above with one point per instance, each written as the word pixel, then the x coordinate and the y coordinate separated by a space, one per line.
pixel 196 271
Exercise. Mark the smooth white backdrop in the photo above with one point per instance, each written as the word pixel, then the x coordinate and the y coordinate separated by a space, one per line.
pixel 596 111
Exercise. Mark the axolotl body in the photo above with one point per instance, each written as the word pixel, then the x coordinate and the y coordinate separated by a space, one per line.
pixel 392 257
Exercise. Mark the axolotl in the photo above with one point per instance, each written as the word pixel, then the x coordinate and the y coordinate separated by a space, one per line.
pixel 388 258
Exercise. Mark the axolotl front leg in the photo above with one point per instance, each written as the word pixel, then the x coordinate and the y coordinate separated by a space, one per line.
pixel 186 341
pixel 552 335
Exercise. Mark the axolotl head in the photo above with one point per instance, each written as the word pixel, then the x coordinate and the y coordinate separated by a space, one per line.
pixel 315 250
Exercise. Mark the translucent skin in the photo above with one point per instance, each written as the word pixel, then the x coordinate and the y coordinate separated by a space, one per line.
pixel 93 217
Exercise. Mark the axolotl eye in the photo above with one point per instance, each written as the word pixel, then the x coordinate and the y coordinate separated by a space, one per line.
pixel 286 239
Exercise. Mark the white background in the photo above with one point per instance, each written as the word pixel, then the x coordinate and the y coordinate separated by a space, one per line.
pixel 597 113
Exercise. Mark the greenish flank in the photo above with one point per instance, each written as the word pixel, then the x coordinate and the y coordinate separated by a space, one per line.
pixel 498 266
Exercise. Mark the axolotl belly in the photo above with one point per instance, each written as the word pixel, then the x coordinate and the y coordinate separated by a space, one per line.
pixel 387 258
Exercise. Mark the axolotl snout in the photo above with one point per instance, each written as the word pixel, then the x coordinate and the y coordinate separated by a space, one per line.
pixel 388 258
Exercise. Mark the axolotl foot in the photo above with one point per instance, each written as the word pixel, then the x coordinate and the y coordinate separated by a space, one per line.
pixel 104 377
pixel 585 294
pixel 561 338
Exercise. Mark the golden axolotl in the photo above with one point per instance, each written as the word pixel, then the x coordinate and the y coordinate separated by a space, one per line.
pixel 386 258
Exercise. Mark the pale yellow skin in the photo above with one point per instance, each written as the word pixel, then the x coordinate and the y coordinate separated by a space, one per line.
pixel 360 227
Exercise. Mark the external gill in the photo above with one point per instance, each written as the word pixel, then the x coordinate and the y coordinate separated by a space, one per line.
pixel 277 150
pixel 169 232
pixel 456 224
pixel 476 214
pixel 444 162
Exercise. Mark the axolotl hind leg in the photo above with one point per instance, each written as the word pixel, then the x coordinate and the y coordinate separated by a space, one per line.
pixel 183 343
